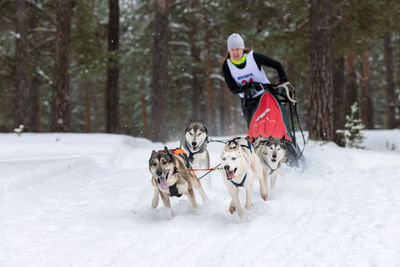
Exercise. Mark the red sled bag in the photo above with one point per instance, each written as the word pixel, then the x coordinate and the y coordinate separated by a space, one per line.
pixel 267 120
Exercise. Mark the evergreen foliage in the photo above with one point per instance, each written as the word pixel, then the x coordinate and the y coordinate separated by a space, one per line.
pixel 353 128
pixel 279 29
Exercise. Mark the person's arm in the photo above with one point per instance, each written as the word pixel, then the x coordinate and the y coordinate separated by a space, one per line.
pixel 233 87
pixel 272 63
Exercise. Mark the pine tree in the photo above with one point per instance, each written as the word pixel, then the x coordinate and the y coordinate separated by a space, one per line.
pixel 353 127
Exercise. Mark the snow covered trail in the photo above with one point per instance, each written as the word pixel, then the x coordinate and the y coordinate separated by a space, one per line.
pixel 84 200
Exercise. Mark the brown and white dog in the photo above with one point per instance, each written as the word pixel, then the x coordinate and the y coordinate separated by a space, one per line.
pixel 170 177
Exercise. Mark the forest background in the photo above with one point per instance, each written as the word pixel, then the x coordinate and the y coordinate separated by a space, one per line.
pixel 146 67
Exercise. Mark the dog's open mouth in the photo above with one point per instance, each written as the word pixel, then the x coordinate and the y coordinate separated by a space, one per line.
pixel 163 181
pixel 230 174
pixel 273 160
pixel 195 148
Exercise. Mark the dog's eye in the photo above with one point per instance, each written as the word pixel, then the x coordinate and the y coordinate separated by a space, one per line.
pixel 198 134
pixel 164 163
pixel 190 134
pixel 224 158
pixel 233 158
pixel 153 164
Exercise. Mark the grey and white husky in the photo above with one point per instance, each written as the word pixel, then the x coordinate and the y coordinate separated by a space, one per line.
pixel 194 142
pixel 171 178
pixel 272 154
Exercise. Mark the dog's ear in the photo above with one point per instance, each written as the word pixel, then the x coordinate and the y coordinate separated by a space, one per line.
pixel 166 149
pixel 153 153
pixel 205 129
pixel 283 139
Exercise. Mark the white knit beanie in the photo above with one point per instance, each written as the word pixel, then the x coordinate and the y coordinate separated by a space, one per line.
pixel 235 41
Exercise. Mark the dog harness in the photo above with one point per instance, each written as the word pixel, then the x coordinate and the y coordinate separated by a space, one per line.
pixel 173 191
pixel 191 154
pixel 233 141
pixel 182 153
pixel 272 170
pixel 242 183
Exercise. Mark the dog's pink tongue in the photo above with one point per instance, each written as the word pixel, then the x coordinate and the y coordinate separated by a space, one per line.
pixel 163 183
pixel 230 174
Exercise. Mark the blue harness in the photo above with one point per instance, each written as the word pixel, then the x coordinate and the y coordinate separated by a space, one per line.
pixel 241 184
pixel 191 154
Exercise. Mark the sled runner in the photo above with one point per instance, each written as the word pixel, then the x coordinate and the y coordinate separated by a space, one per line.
pixel 271 119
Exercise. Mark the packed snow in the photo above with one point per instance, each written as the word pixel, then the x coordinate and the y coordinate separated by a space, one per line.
pixel 85 200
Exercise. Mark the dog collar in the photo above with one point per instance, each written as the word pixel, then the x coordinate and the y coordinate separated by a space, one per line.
pixel 241 184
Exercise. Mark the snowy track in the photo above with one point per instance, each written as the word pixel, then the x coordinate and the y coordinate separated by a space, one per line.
pixel 84 200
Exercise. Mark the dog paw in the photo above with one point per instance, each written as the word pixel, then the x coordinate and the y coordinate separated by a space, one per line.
pixel 250 206
pixel 232 209
pixel 264 196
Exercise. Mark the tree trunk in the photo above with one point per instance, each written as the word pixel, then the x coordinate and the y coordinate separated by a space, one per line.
pixel 351 82
pixel 143 105
pixel 60 113
pixel 338 87
pixel 390 99
pixel 112 89
pixel 235 109
pixel 365 97
pixel 160 72
pixel 87 98
pixel 210 99
pixel 195 55
pixel 228 111
pixel 222 109
pixel 23 110
pixel 34 105
pixel 321 116
pixel 339 98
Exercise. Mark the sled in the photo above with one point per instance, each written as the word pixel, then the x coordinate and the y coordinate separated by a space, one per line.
pixel 271 119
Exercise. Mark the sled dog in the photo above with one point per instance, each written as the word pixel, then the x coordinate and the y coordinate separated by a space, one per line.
pixel 194 142
pixel 240 167
pixel 272 154
pixel 171 178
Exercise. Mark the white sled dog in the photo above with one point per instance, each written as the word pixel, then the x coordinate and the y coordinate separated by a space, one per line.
pixel 194 142
pixel 241 166
pixel 171 178
pixel 272 154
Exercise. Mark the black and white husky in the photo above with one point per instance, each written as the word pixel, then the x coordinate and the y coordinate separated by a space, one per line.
pixel 194 142
pixel 272 154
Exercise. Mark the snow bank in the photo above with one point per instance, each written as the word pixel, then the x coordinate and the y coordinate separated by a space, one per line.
pixel 84 200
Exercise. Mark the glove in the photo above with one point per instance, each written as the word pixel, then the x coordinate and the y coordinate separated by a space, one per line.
pixel 257 86
pixel 249 92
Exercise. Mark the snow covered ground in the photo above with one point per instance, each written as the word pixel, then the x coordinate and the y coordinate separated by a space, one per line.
pixel 84 200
